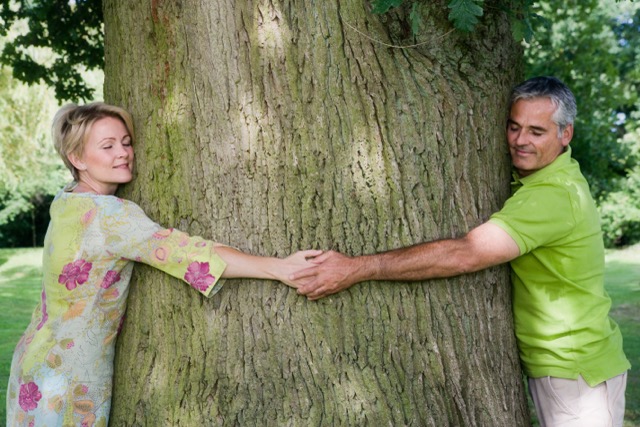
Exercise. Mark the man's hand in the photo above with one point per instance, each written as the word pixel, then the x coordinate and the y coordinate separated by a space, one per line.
pixel 332 272
pixel 293 263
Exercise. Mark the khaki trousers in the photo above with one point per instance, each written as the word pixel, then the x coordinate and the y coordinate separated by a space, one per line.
pixel 572 403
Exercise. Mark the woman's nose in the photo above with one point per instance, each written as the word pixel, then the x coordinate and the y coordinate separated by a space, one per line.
pixel 122 152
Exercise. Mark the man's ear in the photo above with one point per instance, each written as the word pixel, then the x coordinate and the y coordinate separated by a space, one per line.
pixel 76 162
pixel 567 135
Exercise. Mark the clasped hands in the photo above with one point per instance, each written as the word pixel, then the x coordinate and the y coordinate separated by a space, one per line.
pixel 324 274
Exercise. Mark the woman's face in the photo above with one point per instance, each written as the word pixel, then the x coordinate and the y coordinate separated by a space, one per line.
pixel 107 158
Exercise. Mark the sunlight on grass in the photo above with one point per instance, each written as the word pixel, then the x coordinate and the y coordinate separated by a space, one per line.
pixel 20 272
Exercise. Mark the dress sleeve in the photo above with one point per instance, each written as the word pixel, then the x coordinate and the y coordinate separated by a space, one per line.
pixel 130 234
pixel 536 216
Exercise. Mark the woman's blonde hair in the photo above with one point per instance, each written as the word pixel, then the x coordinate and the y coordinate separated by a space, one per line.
pixel 72 123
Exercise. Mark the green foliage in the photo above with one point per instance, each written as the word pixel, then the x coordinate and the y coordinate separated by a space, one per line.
pixel 620 210
pixel 620 219
pixel 524 21
pixel 382 6
pixel 464 13
pixel 593 46
pixel 71 30
pixel 30 170
pixel 581 48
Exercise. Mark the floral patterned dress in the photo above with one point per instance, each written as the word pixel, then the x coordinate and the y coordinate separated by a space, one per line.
pixel 62 368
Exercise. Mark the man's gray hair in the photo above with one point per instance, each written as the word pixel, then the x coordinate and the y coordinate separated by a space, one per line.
pixel 552 88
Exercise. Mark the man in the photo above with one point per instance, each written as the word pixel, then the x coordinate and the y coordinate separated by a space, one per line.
pixel 549 231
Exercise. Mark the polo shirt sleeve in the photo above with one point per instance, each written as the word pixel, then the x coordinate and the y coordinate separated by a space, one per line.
pixel 536 215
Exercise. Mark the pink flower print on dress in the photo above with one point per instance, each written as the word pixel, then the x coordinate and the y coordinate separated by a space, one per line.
pixel 162 253
pixel 198 276
pixel 29 396
pixel 110 278
pixel 88 216
pixel 162 234
pixel 45 316
pixel 120 325
pixel 75 273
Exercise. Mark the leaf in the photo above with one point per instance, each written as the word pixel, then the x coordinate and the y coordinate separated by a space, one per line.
pixel 415 19
pixel 71 31
pixel 525 29
pixel 382 6
pixel 464 13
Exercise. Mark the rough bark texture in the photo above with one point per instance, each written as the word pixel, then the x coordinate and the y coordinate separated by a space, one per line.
pixel 278 125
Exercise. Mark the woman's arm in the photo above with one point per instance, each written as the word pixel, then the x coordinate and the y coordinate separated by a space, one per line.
pixel 241 265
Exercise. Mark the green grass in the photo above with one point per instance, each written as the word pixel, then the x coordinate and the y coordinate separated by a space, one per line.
pixel 20 292
pixel 622 278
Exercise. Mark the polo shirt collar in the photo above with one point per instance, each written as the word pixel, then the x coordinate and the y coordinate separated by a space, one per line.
pixel 560 162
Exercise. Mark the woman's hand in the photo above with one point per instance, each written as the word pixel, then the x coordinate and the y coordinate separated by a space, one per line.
pixel 295 262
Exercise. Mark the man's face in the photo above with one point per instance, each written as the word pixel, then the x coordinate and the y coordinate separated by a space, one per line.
pixel 533 136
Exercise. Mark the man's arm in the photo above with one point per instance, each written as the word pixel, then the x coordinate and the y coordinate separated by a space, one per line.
pixel 484 246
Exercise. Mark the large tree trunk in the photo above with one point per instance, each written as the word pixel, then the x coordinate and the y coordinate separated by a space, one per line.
pixel 281 125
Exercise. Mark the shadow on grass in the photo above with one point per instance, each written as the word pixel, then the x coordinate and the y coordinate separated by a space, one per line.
pixel 5 255
pixel 28 273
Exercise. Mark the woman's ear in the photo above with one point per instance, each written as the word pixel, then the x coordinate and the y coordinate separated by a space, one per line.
pixel 76 162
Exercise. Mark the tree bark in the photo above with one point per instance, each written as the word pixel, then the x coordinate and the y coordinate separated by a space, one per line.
pixel 281 125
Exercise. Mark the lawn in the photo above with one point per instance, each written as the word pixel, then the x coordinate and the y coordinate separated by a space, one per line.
pixel 20 292
pixel 622 277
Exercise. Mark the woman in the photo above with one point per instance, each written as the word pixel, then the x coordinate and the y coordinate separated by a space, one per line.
pixel 62 369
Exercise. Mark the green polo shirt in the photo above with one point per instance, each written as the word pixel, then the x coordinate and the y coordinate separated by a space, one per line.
pixel 560 306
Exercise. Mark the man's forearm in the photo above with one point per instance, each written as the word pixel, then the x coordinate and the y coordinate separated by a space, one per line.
pixel 442 258
pixel 484 246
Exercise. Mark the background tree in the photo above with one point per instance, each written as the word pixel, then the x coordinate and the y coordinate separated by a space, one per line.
pixel 30 171
pixel 70 31
pixel 577 32
pixel 593 46
pixel 274 126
